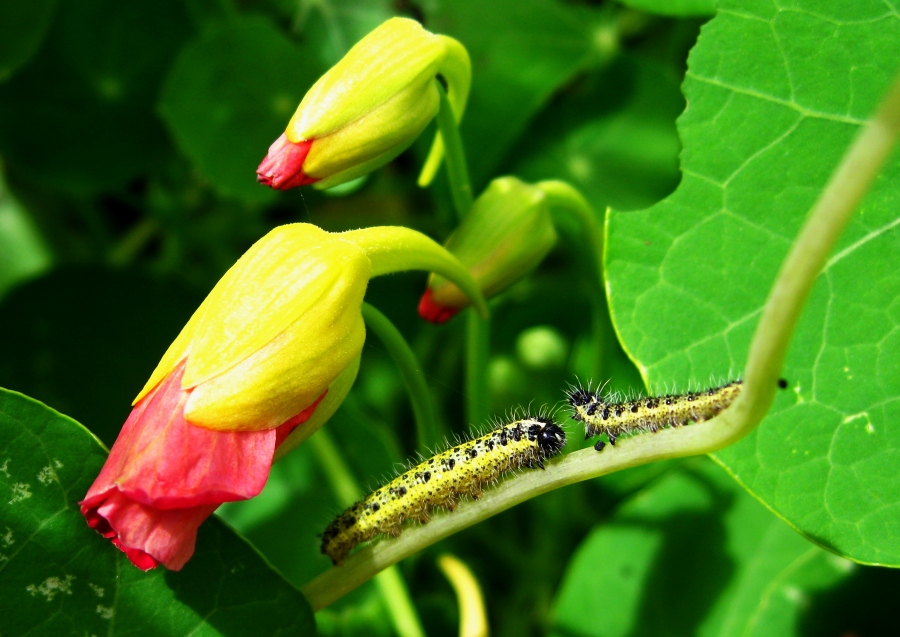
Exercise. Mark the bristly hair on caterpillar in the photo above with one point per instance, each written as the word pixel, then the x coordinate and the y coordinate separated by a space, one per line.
pixel 607 413
pixel 440 481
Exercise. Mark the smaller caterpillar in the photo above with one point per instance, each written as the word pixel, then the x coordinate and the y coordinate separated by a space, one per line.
pixel 441 480
pixel 603 414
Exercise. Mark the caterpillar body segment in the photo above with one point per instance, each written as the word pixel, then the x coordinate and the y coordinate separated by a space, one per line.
pixel 603 414
pixel 440 481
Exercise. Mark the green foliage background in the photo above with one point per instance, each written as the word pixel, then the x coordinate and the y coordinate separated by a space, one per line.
pixel 129 136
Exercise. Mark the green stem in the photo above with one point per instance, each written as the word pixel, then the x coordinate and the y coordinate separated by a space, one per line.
pixel 846 188
pixel 390 584
pixel 127 250
pixel 563 198
pixel 455 156
pixel 478 333
pixel 395 249
pixel 477 330
pixel 428 429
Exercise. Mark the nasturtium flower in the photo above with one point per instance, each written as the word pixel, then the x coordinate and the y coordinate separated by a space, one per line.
pixel 369 108
pixel 505 235
pixel 275 345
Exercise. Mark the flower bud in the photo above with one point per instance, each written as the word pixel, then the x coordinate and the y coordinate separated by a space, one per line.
pixel 505 235
pixel 369 107
pixel 303 288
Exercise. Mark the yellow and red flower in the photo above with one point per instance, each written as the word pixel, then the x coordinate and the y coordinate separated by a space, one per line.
pixel 276 344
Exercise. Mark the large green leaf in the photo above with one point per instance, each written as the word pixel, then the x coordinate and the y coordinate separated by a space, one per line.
pixel 694 554
pixel 775 95
pixel 229 95
pixel 58 577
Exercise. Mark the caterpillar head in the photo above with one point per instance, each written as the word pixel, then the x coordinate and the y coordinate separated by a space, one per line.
pixel 550 438
pixel 579 397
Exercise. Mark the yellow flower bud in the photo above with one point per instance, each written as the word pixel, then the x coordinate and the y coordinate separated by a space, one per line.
pixel 286 321
pixel 275 331
pixel 507 233
pixel 369 107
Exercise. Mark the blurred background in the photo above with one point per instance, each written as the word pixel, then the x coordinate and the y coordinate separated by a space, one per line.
pixel 129 137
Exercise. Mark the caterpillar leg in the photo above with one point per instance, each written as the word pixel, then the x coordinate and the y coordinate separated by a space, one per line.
pixel 599 446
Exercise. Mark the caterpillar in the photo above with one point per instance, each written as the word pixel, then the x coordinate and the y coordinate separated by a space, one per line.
pixel 440 481
pixel 604 414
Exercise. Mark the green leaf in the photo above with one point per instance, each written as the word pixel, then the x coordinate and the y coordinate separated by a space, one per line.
pixel 522 51
pixel 92 359
pixel 614 139
pixel 694 554
pixel 330 27
pixel 23 24
pixel 80 116
pixel 23 253
pixel 229 95
pixel 822 594
pixel 774 98
pixel 679 8
pixel 61 578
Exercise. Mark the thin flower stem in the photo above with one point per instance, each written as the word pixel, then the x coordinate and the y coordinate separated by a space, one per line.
pixel 564 199
pixel 428 429
pixel 843 193
pixel 478 334
pixel 454 156
pixel 477 330
pixel 127 250
pixel 390 583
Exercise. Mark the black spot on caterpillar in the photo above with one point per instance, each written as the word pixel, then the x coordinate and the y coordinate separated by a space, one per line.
pixel 606 414
pixel 440 481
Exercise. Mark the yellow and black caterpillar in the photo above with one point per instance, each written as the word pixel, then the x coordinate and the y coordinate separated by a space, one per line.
pixel 442 480
pixel 604 414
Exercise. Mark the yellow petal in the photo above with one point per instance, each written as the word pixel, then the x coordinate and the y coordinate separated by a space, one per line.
pixel 337 392
pixel 387 129
pixel 395 55
pixel 287 374
pixel 282 277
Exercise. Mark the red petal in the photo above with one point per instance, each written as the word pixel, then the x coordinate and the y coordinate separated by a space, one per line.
pixel 434 313
pixel 161 460
pixel 282 167
pixel 165 537
pixel 165 476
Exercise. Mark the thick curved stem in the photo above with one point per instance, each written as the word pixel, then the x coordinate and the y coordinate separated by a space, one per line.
pixel 828 217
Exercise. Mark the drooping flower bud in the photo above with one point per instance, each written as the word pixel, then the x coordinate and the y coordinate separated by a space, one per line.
pixel 253 362
pixel 276 344
pixel 369 107
pixel 505 235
